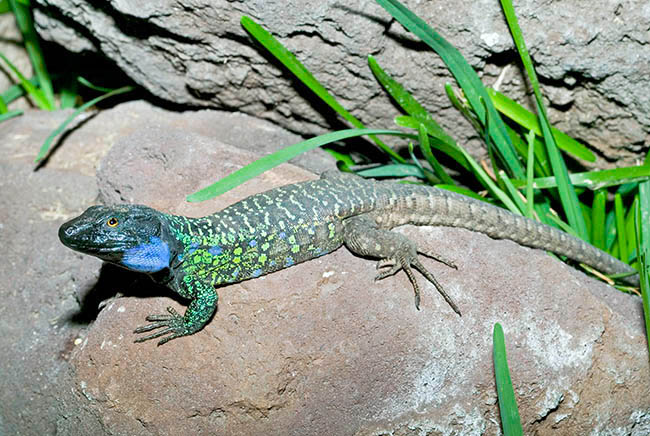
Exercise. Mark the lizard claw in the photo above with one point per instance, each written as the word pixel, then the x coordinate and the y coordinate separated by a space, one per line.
pixel 174 323
pixel 439 258
pixel 404 262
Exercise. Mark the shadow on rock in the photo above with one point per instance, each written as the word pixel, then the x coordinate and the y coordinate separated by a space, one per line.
pixel 114 282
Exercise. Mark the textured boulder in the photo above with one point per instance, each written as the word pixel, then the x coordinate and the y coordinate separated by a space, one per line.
pixel 50 294
pixel 592 58
pixel 316 349
pixel 320 348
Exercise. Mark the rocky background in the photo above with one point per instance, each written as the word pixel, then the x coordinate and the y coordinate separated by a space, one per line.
pixel 318 348
pixel 592 58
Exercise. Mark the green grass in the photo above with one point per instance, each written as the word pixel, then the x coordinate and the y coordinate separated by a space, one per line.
pixel 510 421
pixel 40 89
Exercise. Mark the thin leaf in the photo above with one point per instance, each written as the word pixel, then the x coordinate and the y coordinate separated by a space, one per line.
pixel 7 115
pixel 85 82
pixel 428 155
pixel 35 93
pixel 453 151
pixel 568 196
pixel 68 95
pixel 630 231
pixel 14 92
pixel 514 194
pixel 48 141
pixel 483 177
pixel 416 111
pixel 392 170
pixel 530 165
pixel 529 121
pixel 25 23
pixel 620 228
pixel 274 159
pixel 598 219
pixel 298 69
pixel 341 157
pixel 643 250
pixel 542 166
pixel 595 180
pixel 510 420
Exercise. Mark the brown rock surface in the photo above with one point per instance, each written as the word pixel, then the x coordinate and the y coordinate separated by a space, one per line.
pixel 316 349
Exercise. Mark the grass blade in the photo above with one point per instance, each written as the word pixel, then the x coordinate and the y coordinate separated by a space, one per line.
pixel 85 82
pixel 598 219
pixel 33 91
pixel 14 92
pixel 428 155
pixel 568 196
pixel 529 121
pixel 485 179
pixel 5 116
pixel 643 250
pixel 48 141
pixel 530 169
pixel 416 111
pixel 514 194
pixel 26 25
pixel 453 151
pixel 620 228
pixel 288 59
pixel 510 420
pixel 393 171
pixel 274 159
pixel 595 180
pixel 466 77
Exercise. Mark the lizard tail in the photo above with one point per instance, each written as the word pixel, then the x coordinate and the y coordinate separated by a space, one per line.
pixel 431 206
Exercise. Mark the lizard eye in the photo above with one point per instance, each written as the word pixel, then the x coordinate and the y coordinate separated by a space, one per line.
pixel 112 222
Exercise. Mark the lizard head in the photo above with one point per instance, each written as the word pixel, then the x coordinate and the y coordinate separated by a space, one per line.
pixel 127 235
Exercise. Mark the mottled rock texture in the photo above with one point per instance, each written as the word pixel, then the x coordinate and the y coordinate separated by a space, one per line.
pixel 593 58
pixel 316 349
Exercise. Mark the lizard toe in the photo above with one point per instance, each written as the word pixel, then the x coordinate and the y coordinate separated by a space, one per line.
pixel 172 325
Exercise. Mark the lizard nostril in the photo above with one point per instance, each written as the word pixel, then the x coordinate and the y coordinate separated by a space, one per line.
pixel 65 231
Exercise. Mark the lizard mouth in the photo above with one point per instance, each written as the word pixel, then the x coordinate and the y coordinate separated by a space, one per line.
pixel 75 238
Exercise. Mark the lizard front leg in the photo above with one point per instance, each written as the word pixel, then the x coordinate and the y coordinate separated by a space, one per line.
pixel 204 302
pixel 363 237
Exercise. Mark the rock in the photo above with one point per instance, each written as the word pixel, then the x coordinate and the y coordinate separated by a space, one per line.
pixel 101 130
pixel 41 284
pixel 49 293
pixel 592 59
pixel 318 348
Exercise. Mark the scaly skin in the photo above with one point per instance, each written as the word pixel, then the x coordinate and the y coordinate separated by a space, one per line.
pixel 291 224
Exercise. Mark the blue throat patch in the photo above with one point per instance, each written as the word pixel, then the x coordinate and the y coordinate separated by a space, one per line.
pixel 149 258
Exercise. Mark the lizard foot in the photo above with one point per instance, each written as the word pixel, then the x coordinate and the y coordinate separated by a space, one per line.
pixel 174 323
pixel 396 252
pixel 406 260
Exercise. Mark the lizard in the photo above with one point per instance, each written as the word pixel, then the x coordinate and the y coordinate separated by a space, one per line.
pixel 287 225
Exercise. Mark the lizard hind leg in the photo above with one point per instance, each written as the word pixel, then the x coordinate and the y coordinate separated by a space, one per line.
pixel 395 252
